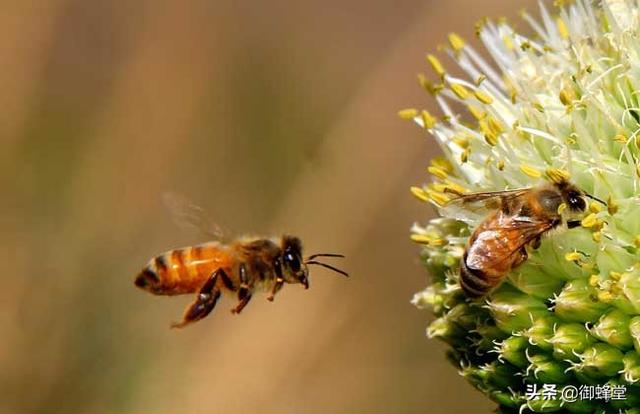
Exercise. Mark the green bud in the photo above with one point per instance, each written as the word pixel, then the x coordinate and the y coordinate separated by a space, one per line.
pixel 613 328
pixel 514 311
pixel 634 331
pixel 631 370
pixel 570 339
pixel 532 281
pixel 600 361
pixel 548 370
pixel 578 302
pixel 630 283
pixel 541 332
pixel 513 350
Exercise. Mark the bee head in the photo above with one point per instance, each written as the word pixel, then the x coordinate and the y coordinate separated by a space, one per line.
pixel 293 266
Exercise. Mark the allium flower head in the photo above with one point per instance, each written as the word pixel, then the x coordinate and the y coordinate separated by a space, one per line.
pixel 560 103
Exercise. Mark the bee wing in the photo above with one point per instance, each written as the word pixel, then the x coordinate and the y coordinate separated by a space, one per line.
pixel 499 243
pixel 191 216
pixel 473 206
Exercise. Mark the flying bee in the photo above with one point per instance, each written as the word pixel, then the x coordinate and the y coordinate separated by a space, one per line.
pixel 240 267
pixel 517 219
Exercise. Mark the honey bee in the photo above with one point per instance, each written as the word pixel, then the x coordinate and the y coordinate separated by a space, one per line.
pixel 518 218
pixel 242 267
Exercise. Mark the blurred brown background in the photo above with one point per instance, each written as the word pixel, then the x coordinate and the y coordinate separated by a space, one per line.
pixel 275 116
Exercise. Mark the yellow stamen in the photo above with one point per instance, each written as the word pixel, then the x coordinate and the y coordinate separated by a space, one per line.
pixel 596 236
pixel 566 96
pixel 615 275
pixel 419 193
pixel 530 171
pixel 595 207
pixel 483 97
pixel 557 175
pixel 477 113
pixel 562 28
pixel 438 172
pixel 408 113
pixel 429 120
pixel 593 280
pixel 572 257
pixel 456 188
pixel 612 206
pixel 456 41
pixel 562 207
pixel 436 65
pixel 462 142
pixel 464 156
pixel 620 138
pixel 500 165
pixel 636 241
pixel 439 198
pixel 460 91
pixel 589 221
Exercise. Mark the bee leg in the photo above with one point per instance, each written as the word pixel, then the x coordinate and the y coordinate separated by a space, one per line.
pixel 573 224
pixel 523 257
pixel 535 243
pixel 244 296
pixel 244 292
pixel 276 288
pixel 205 301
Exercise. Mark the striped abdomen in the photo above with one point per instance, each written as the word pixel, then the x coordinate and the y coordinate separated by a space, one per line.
pixel 184 270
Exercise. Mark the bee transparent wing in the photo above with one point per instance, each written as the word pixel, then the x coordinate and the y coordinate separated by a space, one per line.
pixel 190 216
pixel 471 207
pixel 514 231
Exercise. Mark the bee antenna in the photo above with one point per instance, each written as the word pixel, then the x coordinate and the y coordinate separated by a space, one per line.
pixel 596 199
pixel 313 256
pixel 335 269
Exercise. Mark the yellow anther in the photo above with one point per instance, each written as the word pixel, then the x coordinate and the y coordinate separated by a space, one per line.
pixel 557 175
pixel 464 156
pixel 612 206
pixel 615 275
pixel 594 280
pixel 420 193
pixel 589 221
pixel 438 172
pixel 438 198
pixel 483 97
pixel 566 96
pixel 508 42
pixel 480 79
pixel 441 162
pixel 429 120
pixel 572 257
pixel 491 138
pixel 595 207
pixel 477 113
pixel 596 236
pixel 620 138
pixel 500 165
pixel 604 296
pixel 462 142
pixel 436 65
pixel 408 113
pixel 562 28
pixel 530 171
pixel 562 207
pixel 460 91
pixel 428 239
pixel 456 41
pixel 636 241
pixel 495 126
pixel 525 45
pixel 456 188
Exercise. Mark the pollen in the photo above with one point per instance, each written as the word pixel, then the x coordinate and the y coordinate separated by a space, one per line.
pixel 428 240
pixel 562 207
pixel 562 28
pixel 436 65
pixel 438 198
pixel 429 120
pixel 612 206
pixel 595 207
pixel 483 97
pixel 460 91
pixel 408 113
pixel 530 171
pixel 456 42
pixel 419 193
pixel 438 172
pixel 557 175
pixel 589 221
pixel 572 256
pixel 476 112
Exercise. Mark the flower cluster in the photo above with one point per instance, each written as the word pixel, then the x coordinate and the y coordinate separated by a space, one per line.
pixel 562 103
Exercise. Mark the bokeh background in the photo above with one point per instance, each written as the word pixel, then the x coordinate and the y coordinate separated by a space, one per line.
pixel 275 116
